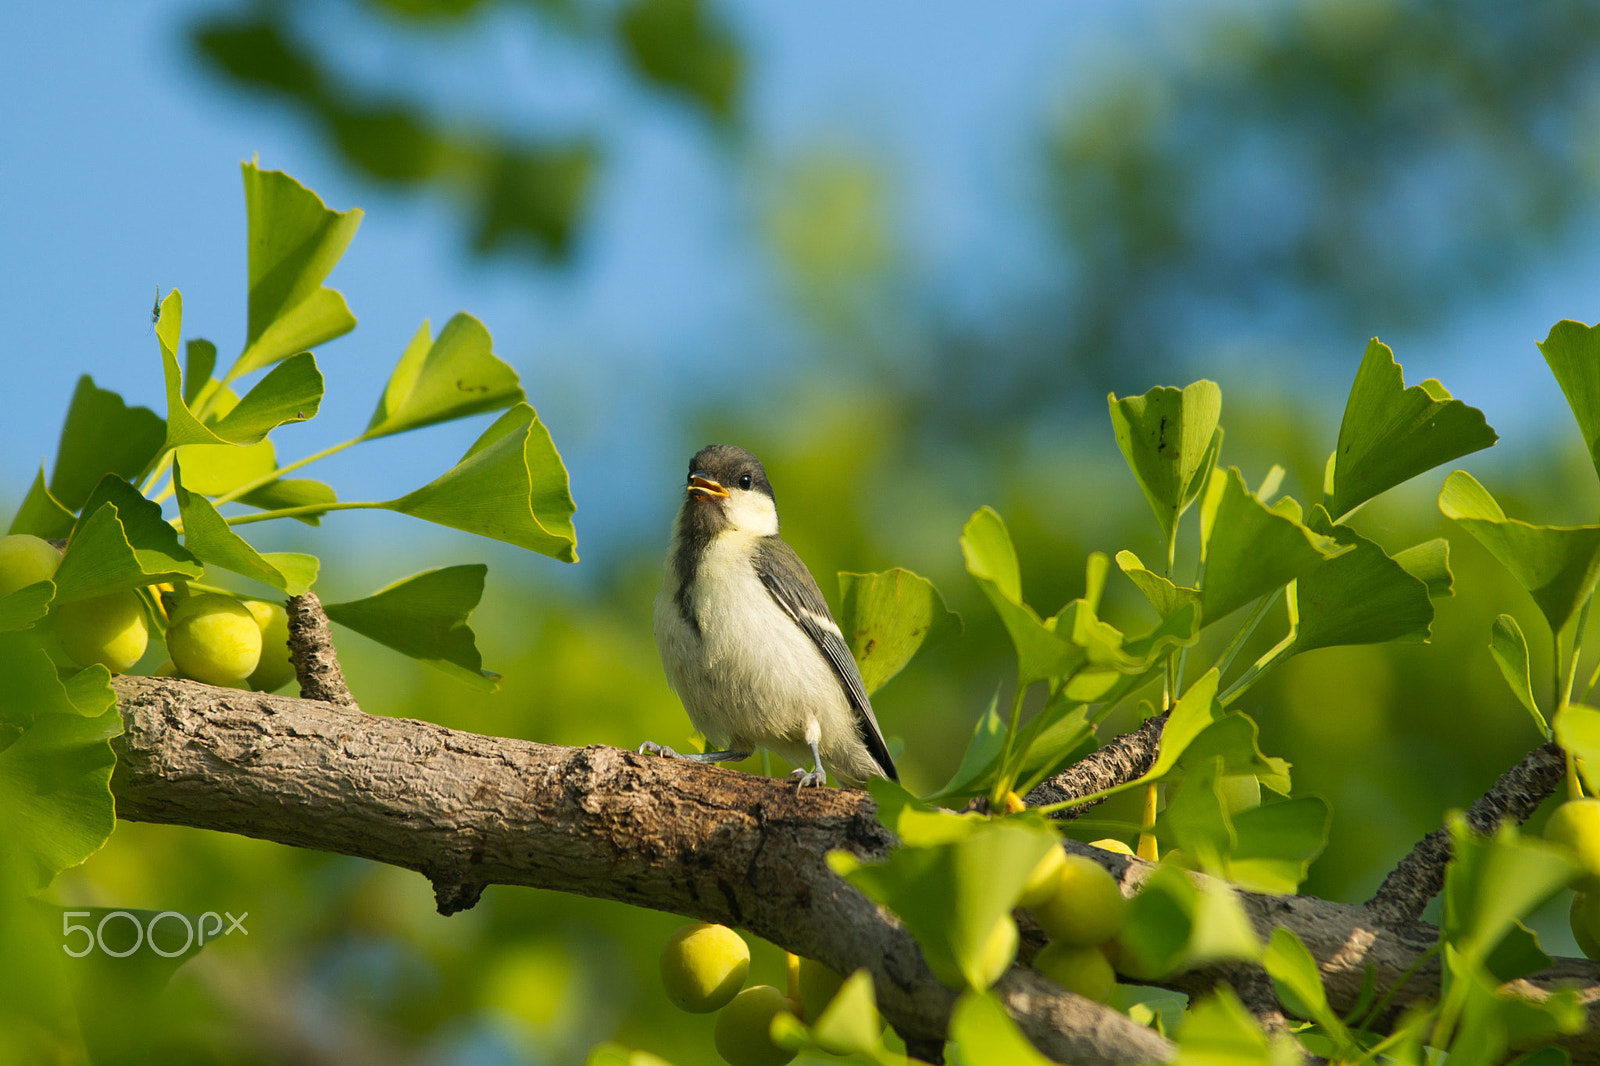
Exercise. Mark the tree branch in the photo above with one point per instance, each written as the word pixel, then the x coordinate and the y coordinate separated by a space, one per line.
pixel 1419 876
pixel 1119 761
pixel 316 663
pixel 466 810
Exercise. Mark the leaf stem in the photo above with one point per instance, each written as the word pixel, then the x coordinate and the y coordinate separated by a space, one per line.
pixel 1246 631
pixel 1577 650
pixel 267 479
pixel 1278 653
pixel 295 512
pixel 1007 775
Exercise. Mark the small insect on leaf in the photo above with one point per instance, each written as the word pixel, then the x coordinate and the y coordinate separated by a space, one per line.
pixel 155 308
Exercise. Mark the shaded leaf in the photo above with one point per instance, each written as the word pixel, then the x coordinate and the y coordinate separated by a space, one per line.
pixel 55 787
pixel 438 380
pixel 25 606
pixel 210 538
pixel 425 617
pixel 982 754
pixel 1491 882
pixel 1518 955
pixel 121 541
pixel 1277 843
pixel 888 617
pixel 682 45
pixel 1220 1032
pixel 41 514
pixel 32 686
pixel 1250 549
pixel 850 1023
pixel 1298 982
pixel 199 360
pixel 1558 565
pixel 510 485
pixel 1572 351
pixel 1169 437
pixel 983 1034
pixel 1577 730
pixel 1509 648
pixel 1360 597
pixel 291 492
pixel 1391 433
pixel 295 242
pixel 101 435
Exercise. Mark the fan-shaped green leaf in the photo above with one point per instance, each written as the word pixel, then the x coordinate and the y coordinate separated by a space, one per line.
pixel 888 617
pixel 121 541
pixel 213 469
pixel 1277 843
pixel 510 485
pixel 438 380
pixel 992 561
pixel 982 1034
pixel 291 492
pixel 101 435
pixel 55 787
pixel 1509 649
pixel 1577 729
pixel 25 606
pixel 199 360
pixel 295 242
pixel 1573 352
pixel 1491 882
pixel 425 617
pixel 1429 563
pixel 1391 433
pixel 1250 549
pixel 33 686
pixel 209 537
pixel 1360 597
pixel 1558 565
pixel 1163 595
pixel 1169 437
pixel 41 514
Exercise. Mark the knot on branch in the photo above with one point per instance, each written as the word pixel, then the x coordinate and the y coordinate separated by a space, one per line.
pixel 316 663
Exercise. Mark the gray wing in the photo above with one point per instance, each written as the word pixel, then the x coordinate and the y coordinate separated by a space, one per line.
pixel 792 585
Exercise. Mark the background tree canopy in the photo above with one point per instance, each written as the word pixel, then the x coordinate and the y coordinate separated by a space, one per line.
pixel 1247 192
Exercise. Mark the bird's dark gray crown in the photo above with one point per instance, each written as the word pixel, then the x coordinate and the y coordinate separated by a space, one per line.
pixel 728 465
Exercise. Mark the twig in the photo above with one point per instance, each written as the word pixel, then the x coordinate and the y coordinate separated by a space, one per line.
pixel 311 650
pixel 1419 876
pixel 1127 757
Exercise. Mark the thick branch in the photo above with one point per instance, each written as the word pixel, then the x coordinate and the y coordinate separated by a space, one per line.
pixel 1419 876
pixel 467 810
pixel 1119 761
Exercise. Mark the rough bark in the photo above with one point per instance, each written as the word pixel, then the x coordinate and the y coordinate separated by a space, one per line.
pixel 316 663
pixel 1117 762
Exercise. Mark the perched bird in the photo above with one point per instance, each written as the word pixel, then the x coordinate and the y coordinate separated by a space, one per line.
pixel 747 640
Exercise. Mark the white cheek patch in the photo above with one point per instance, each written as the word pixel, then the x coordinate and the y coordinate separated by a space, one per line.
pixel 751 512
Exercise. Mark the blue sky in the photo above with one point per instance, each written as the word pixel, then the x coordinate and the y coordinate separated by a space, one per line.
pixel 120 174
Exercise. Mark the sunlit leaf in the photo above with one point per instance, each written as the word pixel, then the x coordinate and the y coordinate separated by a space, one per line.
pixel 1234 739
pixel 1391 433
pixel 888 617
pixel 295 242
pixel 1196 711
pixel 1509 648
pixel 438 380
pixel 1491 882
pixel 1169 437
pixel 983 1034
pixel 1429 563
pixel 1250 549
pixel 983 753
pixel 199 360
pixel 850 1023
pixel 121 541
pixel 41 514
pixel 1360 597
pixel 1298 982
pixel 1277 843
pixel 510 485
pixel 55 787
pixel 213 469
pixel 32 686
pixel 425 616
pixel 1220 1032
pixel 956 896
pixel 1577 730
pixel 992 561
pixel 1572 350
pixel 101 435
pixel 1494 1021
pixel 1163 595
pixel 1558 565
pixel 212 541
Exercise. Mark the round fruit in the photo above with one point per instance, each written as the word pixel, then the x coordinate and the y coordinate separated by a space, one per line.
pixel 1085 971
pixel 703 966
pixel 1087 908
pixel 213 638
pixel 1111 844
pixel 995 956
pixel 25 560
pixel 1576 823
pixel 1043 880
pixel 110 630
pixel 818 986
pixel 275 670
pixel 744 1028
pixel 1585 918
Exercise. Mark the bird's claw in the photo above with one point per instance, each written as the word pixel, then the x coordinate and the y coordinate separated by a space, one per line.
pixel 650 747
pixel 808 778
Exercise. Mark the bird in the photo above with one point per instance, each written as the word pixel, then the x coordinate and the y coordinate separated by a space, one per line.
pixel 747 640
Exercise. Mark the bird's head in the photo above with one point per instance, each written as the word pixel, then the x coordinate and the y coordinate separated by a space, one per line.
pixel 728 490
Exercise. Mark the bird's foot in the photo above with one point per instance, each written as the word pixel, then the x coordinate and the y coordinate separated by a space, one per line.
pixel 650 747
pixel 808 778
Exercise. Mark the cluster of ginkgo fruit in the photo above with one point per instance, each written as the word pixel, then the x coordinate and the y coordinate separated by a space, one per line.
pixel 1576 824
pixel 703 969
pixel 1082 909
pixel 211 637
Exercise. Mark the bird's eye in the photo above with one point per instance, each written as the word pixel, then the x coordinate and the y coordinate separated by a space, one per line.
pixel 745 481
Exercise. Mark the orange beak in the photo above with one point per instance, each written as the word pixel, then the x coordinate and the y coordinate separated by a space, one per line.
pixel 705 488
